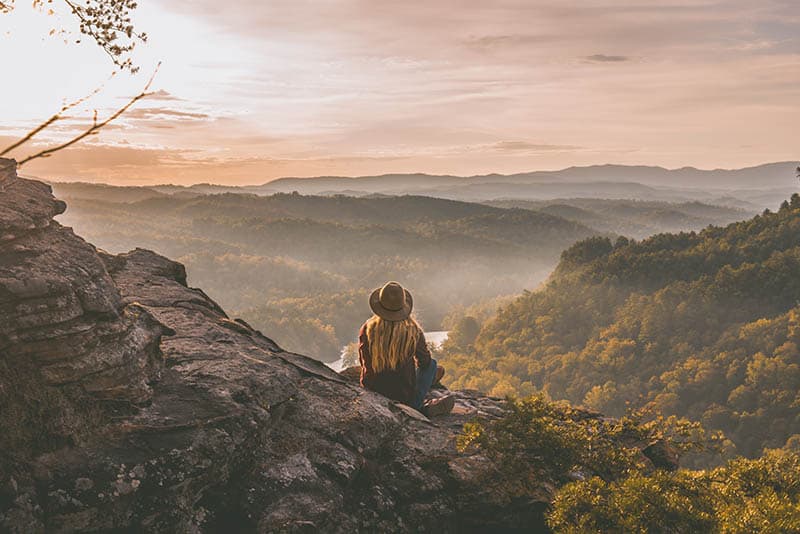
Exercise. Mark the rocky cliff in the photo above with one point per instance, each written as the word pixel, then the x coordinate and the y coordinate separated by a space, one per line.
pixel 131 402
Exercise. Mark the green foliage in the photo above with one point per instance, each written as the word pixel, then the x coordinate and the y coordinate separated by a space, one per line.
pixel 586 251
pixel 662 502
pixel 608 478
pixel 745 496
pixel 699 325
pixel 464 332
pixel 540 440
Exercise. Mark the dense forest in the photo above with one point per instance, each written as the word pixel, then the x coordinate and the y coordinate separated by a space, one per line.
pixel 301 267
pixel 690 339
pixel 704 325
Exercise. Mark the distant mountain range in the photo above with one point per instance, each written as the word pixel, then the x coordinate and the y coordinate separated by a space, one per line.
pixel 752 188
pixel 770 175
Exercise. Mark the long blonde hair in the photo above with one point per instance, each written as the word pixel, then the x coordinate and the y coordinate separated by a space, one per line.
pixel 391 342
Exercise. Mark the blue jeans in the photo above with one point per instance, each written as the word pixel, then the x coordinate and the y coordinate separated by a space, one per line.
pixel 424 382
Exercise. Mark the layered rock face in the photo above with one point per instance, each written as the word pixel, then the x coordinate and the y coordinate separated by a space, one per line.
pixel 129 401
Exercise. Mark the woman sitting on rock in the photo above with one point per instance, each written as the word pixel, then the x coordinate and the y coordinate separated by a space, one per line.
pixel 395 360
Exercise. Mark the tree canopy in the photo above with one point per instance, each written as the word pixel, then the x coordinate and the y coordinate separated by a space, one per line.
pixel 703 325
pixel 106 22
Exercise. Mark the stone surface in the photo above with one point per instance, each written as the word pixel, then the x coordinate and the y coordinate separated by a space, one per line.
pixel 131 402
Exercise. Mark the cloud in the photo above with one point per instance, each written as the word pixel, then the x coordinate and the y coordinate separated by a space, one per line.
pixel 603 58
pixel 494 42
pixel 161 113
pixel 524 146
pixel 452 86
pixel 163 95
pixel 154 165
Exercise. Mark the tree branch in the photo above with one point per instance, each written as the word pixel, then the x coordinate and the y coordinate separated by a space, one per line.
pixel 105 32
pixel 94 35
pixel 96 126
pixel 55 118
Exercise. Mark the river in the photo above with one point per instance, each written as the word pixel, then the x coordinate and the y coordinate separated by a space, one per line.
pixel 436 338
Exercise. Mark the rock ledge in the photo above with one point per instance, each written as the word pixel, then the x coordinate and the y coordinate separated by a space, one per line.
pixel 133 402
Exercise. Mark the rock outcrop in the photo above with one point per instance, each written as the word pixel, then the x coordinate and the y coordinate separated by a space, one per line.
pixel 131 402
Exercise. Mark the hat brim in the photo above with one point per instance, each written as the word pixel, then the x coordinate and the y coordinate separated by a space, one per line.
pixel 391 315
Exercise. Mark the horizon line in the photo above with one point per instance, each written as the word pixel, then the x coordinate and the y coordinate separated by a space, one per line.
pixel 383 175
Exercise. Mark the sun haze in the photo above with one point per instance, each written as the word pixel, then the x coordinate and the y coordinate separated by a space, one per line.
pixel 253 91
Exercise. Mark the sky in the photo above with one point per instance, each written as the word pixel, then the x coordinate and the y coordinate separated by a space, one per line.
pixel 250 91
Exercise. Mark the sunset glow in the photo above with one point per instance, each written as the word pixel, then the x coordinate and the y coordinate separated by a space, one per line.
pixel 252 91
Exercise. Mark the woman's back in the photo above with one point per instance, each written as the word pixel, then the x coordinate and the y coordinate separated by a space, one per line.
pixel 395 360
pixel 390 353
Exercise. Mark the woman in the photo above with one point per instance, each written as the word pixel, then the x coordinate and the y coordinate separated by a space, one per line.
pixel 395 360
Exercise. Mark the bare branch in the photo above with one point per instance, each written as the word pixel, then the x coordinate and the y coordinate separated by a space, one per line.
pixel 96 126
pixel 55 118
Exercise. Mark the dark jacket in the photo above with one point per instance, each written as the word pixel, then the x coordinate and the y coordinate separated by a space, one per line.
pixel 399 384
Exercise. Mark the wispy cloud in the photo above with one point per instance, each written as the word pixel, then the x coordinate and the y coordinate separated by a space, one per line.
pixel 494 42
pixel 163 95
pixel 524 146
pixel 453 86
pixel 161 113
pixel 603 58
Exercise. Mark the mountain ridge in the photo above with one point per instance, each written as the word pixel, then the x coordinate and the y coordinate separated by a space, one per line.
pixel 604 172
pixel 779 172
pixel 693 324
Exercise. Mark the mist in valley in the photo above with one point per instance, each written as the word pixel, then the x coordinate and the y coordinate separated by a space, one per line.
pixel 299 267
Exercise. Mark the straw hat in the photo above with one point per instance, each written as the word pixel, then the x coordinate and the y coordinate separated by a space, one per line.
pixel 391 302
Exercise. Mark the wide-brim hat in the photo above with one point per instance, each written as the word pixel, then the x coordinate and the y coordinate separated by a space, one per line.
pixel 391 302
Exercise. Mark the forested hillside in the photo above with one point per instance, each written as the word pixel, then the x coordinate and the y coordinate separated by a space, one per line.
pixel 704 325
pixel 633 218
pixel 301 267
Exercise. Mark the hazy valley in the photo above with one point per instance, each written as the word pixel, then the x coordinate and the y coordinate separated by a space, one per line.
pixel 298 266
pixel 695 331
